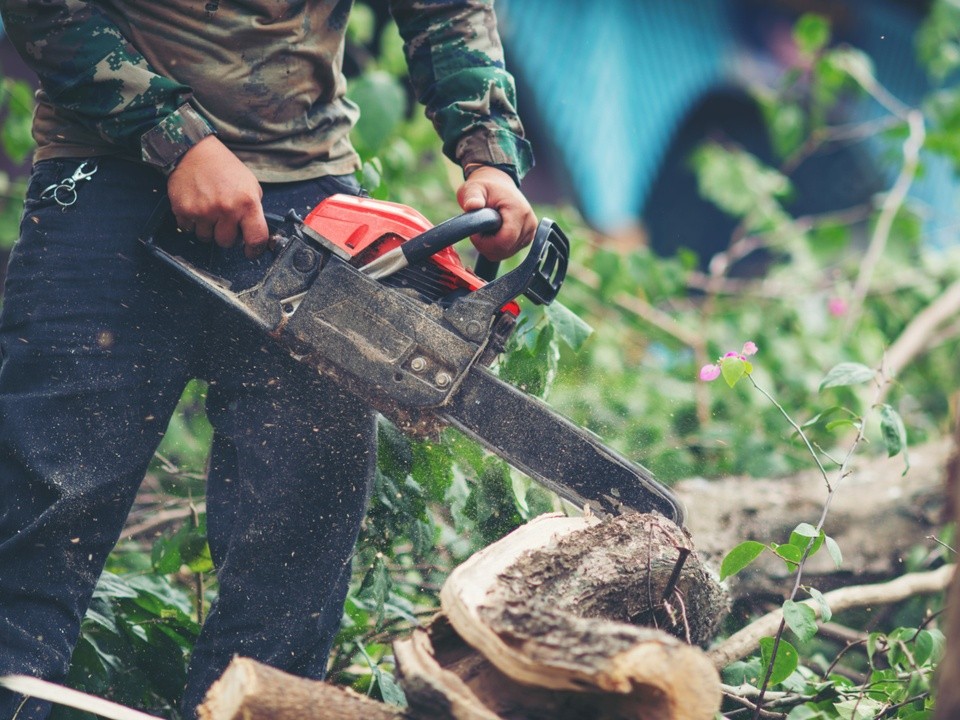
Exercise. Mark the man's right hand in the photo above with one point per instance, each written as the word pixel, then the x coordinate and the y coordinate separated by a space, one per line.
pixel 215 196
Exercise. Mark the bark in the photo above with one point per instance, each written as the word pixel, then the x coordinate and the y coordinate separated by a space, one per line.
pixel 877 516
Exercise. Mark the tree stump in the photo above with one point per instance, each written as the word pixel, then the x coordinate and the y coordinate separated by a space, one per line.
pixel 591 610
pixel 563 619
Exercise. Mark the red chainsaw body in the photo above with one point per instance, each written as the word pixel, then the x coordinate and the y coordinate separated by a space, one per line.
pixel 365 228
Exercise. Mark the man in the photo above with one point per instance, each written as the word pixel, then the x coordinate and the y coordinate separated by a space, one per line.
pixel 230 109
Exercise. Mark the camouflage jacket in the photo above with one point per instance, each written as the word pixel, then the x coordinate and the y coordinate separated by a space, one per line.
pixel 149 78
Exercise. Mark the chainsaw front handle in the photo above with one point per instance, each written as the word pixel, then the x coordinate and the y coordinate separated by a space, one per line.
pixel 485 221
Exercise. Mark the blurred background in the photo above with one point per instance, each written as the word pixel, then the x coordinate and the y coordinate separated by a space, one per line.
pixel 616 101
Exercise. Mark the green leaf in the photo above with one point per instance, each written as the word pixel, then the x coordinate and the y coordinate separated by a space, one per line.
pixel 844 423
pixel 781 666
pixel 822 417
pixel 894 434
pixel 742 186
pixel 376 587
pixel 740 557
pixel 805 535
pixel 791 553
pixel 491 504
pixel 834 551
pixel 875 641
pixel 371 175
pixel 855 63
pixel 825 612
pixel 811 33
pixel 939 645
pixel 433 468
pixel 569 326
pixel 786 122
pixel 806 530
pixel 390 689
pixel 165 556
pixel 533 366
pixel 733 369
pixel 16 135
pixel 801 619
pixel 361 26
pixel 861 708
pixel 847 373
pixel 805 712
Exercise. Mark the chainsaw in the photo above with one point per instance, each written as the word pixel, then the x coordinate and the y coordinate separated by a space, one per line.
pixel 370 293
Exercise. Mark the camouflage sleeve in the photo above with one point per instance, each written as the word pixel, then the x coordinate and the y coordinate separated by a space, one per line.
pixel 86 66
pixel 455 59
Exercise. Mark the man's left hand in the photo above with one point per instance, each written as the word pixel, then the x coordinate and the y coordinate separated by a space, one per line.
pixel 490 187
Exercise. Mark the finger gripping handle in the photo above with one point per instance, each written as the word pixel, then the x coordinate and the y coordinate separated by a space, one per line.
pixel 478 222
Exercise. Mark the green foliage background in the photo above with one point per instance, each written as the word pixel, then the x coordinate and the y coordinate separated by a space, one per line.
pixel 620 357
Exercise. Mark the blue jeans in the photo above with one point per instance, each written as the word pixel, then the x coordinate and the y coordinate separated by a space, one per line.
pixel 98 341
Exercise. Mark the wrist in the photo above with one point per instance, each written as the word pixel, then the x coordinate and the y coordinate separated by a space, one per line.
pixel 166 143
pixel 509 170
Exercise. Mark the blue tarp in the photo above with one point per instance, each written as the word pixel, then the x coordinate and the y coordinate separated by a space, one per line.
pixel 612 81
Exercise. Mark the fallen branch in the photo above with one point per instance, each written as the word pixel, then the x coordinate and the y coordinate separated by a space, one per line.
pixel 249 690
pixel 746 641
pixel 892 204
pixel 919 333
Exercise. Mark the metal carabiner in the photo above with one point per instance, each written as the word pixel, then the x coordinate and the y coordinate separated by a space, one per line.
pixel 64 192
pixel 83 173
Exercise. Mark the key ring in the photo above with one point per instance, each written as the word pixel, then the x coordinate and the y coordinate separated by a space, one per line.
pixel 64 192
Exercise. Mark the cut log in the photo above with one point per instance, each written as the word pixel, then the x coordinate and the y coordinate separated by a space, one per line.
pixel 446 679
pixel 545 624
pixel 556 605
pixel 248 690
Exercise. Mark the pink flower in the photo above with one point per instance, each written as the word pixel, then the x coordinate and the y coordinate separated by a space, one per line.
pixel 709 372
pixel 837 306
pixel 735 365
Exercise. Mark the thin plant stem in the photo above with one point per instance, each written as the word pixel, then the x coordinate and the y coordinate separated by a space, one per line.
pixel 842 472
pixel 803 436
